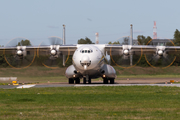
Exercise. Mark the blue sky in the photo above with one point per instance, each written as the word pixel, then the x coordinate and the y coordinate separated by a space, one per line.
pixel 39 19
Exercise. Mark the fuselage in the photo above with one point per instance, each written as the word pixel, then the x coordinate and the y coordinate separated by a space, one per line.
pixel 89 60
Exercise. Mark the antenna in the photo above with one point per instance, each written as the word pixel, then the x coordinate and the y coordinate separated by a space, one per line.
pixel 154 31
pixel 64 42
pixel 131 43
pixel 131 35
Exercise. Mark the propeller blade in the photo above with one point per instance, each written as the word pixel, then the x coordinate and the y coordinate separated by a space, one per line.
pixel 123 60
pixel 51 57
pixel 18 58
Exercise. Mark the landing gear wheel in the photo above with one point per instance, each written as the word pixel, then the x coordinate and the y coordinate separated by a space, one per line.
pixel 105 81
pixel 84 80
pixel 77 81
pixel 89 81
pixel 71 81
pixel 112 81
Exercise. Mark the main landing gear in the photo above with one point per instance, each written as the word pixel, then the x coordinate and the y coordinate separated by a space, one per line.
pixel 105 80
pixel 88 80
pixel 71 81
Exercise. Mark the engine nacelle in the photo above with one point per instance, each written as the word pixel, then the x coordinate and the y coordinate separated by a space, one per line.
pixel 126 50
pixel 71 72
pixel 21 50
pixel 160 50
pixel 54 51
pixel 108 71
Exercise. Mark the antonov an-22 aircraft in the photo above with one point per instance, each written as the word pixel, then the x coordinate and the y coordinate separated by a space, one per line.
pixel 89 59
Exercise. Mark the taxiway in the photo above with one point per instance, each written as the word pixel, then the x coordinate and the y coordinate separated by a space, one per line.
pixel 127 82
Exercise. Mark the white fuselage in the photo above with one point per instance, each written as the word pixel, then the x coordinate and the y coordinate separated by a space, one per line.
pixel 88 59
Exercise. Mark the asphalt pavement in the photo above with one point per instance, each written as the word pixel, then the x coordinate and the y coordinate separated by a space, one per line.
pixel 78 85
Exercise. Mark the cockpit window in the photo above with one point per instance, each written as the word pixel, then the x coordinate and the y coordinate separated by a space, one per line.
pixel 86 51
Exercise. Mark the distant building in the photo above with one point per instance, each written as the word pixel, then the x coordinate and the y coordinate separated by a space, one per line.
pixel 159 42
pixel 156 42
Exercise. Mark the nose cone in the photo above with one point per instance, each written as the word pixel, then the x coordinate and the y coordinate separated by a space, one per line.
pixel 53 52
pixel 19 52
pixel 85 59
pixel 160 52
pixel 126 52
pixel 85 62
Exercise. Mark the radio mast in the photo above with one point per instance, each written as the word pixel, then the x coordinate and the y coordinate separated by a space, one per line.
pixel 154 31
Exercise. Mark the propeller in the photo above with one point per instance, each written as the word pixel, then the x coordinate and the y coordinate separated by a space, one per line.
pixel 17 54
pixel 51 57
pixel 161 56
pixel 122 57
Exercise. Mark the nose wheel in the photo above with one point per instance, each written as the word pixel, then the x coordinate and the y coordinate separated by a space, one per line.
pixel 86 79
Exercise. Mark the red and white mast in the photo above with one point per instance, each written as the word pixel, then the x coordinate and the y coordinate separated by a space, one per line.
pixel 154 31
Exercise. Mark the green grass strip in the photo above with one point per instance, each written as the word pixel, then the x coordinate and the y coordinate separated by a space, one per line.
pixel 123 102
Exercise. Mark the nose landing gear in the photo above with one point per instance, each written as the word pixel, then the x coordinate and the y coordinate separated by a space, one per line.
pixel 86 79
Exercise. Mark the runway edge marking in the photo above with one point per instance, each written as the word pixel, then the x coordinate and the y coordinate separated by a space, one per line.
pixel 168 85
pixel 25 86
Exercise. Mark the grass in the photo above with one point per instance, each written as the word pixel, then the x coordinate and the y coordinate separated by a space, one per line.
pixel 130 102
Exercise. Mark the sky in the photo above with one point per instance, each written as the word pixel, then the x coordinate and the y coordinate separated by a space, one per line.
pixel 37 20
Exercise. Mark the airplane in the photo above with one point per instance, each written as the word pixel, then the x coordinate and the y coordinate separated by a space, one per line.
pixel 89 59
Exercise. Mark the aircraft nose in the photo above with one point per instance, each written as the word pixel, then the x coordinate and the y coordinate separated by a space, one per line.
pixel 85 62
pixel 85 59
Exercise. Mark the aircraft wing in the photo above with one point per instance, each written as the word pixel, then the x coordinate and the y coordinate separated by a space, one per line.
pixel 138 49
pixel 49 55
pixel 161 56
pixel 63 49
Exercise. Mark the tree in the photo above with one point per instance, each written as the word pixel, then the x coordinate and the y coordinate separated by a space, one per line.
pixel 24 43
pixel 85 41
pixel 126 41
pixel 114 42
pixel 177 37
pixel 3 62
pixel 142 40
